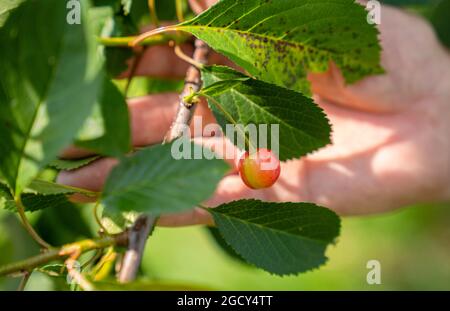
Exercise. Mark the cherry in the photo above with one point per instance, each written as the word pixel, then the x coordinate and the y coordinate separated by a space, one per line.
pixel 260 169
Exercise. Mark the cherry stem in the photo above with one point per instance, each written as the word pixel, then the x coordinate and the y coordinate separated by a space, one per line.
pixel 97 218
pixel 229 118
pixel 179 52
pixel 137 40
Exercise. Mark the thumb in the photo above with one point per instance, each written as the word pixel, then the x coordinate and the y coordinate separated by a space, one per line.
pixel 199 6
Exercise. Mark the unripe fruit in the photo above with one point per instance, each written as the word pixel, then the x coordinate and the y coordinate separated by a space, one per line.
pixel 259 170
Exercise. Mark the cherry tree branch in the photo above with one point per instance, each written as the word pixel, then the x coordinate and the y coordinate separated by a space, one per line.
pixel 137 237
pixel 193 83
pixel 24 281
pixel 63 252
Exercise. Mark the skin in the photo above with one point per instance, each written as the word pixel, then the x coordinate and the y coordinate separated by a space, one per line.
pixel 391 145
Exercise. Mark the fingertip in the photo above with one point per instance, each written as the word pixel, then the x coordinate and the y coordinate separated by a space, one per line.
pixel 151 117
pixel 90 177
pixel 161 62
pixel 196 216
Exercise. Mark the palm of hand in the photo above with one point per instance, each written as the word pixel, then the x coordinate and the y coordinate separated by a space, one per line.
pixel 390 145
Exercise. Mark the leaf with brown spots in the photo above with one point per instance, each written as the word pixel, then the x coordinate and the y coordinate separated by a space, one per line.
pixel 279 41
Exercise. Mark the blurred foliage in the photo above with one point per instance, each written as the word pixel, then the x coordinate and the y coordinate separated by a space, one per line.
pixel 411 245
pixel 440 18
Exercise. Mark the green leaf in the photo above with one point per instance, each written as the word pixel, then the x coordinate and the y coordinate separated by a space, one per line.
pixel 43 187
pixel 49 83
pixel 6 6
pixel 65 224
pixel 441 21
pixel 31 201
pixel 282 238
pixel 5 196
pixel 222 244
pixel 36 202
pixel 118 25
pixel 303 127
pixel 116 137
pixel 152 181
pixel 69 165
pixel 54 270
pixel 279 41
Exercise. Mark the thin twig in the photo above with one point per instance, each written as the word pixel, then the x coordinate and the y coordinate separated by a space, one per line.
pixel 150 34
pixel 137 237
pixel 179 52
pixel 63 252
pixel 98 253
pixel 193 83
pixel 23 282
pixel 247 141
pixel 135 64
pixel 159 39
pixel 97 218
pixel 72 270
pixel 27 225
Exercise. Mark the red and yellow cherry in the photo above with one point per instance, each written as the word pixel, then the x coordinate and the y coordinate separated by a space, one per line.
pixel 260 169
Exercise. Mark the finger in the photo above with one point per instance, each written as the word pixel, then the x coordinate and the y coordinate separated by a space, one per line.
pixel 192 217
pixel 150 125
pixel 150 119
pixel 229 189
pixel 199 6
pixel 91 177
pixel 402 84
pixel 162 62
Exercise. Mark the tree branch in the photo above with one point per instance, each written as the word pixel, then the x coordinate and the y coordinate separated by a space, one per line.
pixel 137 237
pixel 27 225
pixel 193 83
pixel 64 252
pixel 23 282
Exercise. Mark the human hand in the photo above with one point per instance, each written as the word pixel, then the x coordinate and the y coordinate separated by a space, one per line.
pixel 390 145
